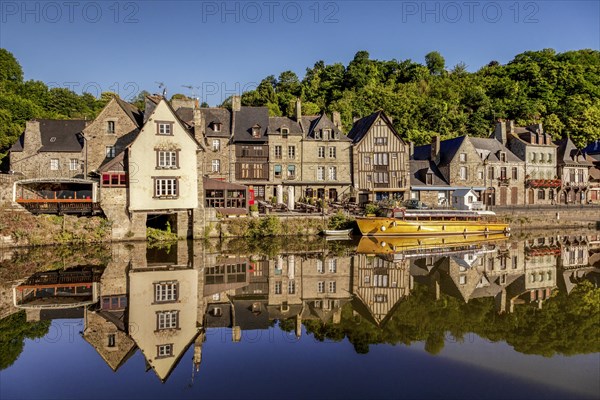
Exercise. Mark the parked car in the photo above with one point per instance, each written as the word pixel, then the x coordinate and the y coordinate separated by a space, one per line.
pixel 415 205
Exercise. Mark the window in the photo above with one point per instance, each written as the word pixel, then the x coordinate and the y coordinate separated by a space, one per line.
pixel 541 194
pixel 480 175
pixel 321 287
pixel 502 156
pixel 380 159
pixel 277 171
pixel 380 177
pixel 110 127
pixel 332 287
pixel 367 159
pixel 380 298
pixel 491 173
pixel 333 265
pixel 216 165
pixel 381 141
pixel 164 128
pixel 549 158
pixel 217 127
pixel 258 171
pixel 514 262
pixel 73 164
pixel 462 279
pixel 110 151
pixel 380 280
pixel 277 151
pixel 333 173
pixel 166 159
pixel 326 134
pixel 245 170
pixel 165 187
pixel 463 173
pixel 114 179
pixel 167 320
pixel 321 151
pixel 164 350
pixel 515 173
pixel 284 132
pixel 332 152
pixel 166 291
pixel 503 173
pixel 292 151
pixel 54 164
pixel 580 175
pixel 216 145
pixel 291 287
pixel 112 340
pixel 291 171
pixel 463 157
pixel 320 173
pixel 278 287
pixel 429 178
pixel 550 194
pixel 542 157
pixel 320 266
pixel 256 131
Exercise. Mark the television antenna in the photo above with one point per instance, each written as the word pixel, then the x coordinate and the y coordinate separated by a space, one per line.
pixel 161 85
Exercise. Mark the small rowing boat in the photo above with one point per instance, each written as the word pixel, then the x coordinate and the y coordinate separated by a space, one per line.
pixel 337 232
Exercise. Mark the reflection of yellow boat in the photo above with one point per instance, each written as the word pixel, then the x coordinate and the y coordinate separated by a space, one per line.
pixel 432 222
pixel 421 246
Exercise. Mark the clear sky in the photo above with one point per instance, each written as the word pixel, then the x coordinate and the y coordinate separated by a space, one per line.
pixel 221 48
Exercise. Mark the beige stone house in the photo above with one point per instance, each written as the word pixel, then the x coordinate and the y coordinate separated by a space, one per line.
pixel 573 167
pixel 380 159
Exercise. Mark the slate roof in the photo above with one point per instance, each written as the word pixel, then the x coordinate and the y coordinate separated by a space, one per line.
pixel 132 112
pixel 276 123
pixel 57 136
pixel 211 116
pixel 313 123
pixel 568 153
pixel 246 319
pixel 419 170
pixel 593 148
pixel 448 149
pixel 491 148
pixel 248 117
pixel 362 126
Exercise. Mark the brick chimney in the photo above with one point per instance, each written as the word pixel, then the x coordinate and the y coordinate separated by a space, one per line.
pixel 435 148
pixel 199 128
pixel 33 137
pixel 298 109
pixel 500 131
pixel 236 103
pixel 337 119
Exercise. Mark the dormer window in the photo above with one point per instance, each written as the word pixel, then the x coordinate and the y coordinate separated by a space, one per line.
pixel 326 134
pixel 502 156
pixel 285 132
pixel 217 126
pixel 429 178
pixel 110 127
pixel 318 135
pixel 256 131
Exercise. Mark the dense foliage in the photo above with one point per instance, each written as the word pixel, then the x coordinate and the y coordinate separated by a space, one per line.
pixel 560 90
pixel 567 324
pixel 14 330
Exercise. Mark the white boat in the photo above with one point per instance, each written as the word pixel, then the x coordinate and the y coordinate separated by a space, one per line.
pixel 338 232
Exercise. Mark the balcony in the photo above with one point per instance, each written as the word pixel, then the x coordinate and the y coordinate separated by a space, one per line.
pixel 381 167
pixel 544 183
pixel 503 181
pixel 575 184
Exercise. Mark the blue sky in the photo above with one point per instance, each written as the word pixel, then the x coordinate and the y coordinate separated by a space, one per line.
pixel 226 47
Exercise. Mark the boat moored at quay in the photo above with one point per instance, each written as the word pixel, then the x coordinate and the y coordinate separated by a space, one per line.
pixel 402 222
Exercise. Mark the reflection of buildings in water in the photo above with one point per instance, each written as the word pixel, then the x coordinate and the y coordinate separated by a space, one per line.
pixel 378 284
pixel 575 262
pixel 541 257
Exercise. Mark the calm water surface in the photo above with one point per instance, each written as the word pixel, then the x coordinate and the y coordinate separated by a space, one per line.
pixel 490 317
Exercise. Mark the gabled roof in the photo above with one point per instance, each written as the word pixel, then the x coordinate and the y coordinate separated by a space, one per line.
pixel 132 112
pixel 419 170
pixel 57 136
pixel 593 148
pixel 211 116
pixel 276 123
pixel 448 149
pixel 568 153
pixel 311 124
pixel 462 192
pixel 116 164
pixel 182 123
pixel 363 125
pixel 490 149
pixel 247 118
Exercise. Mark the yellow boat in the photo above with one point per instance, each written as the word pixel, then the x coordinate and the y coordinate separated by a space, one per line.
pixel 423 246
pixel 402 222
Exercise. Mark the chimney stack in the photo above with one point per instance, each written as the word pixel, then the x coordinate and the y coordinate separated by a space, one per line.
pixel 411 150
pixel 236 103
pixel 198 125
pixel 500 132
pixel 435 148
pixel 337 119
pixel 298 109
pixel 33 136
pixel 510 126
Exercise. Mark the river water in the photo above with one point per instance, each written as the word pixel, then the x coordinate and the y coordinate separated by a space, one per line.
pixel 492 317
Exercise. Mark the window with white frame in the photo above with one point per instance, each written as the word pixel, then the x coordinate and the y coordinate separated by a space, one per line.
pixel 321 287
pixel 292 151
pixel 277 171
pixel 381 141
pixel 166 291
pixel 462 279
pixel 380 159
pixel 110 151
pixel 167 320
pixel 320 173
pixel 333 173
pixel 110 127
pixel 332 152
pixel 167 159
pixel 164 187
pixel 278 287
pixel 54 164
pixel 164 128
pixel 277 151
pixel 216 165
pixel 332 287
pixel 320 266
pixel 291 286
pixel 332 265
pixel 73 164
pixel 284 132
pixel 291 171
pixel 164 350
pixel 463 173
pixel 217 127
pixel 463 157
pixel 367 159
pixel 216 145
pixel 321 151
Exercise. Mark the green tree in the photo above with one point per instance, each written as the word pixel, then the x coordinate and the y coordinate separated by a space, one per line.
pixel 435 63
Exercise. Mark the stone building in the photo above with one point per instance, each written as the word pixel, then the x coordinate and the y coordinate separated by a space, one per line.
pixel 535 148
pixel 49 149
pixel 573 167
pixel 326 167
pixel 428 185
pixel 380 160
pixel 592 151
